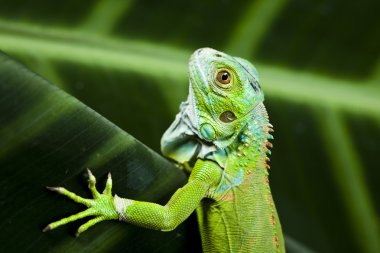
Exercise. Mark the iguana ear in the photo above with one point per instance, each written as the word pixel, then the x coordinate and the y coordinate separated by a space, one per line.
pixel 248 66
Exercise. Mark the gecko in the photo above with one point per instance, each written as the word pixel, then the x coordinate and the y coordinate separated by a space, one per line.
pixel 221 137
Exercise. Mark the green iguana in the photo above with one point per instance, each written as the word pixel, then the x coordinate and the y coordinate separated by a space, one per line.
pixel 221 136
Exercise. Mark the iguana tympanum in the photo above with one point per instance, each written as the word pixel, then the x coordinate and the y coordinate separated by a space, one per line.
pixel 221 137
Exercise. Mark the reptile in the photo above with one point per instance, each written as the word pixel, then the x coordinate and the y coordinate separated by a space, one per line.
pixel 221 136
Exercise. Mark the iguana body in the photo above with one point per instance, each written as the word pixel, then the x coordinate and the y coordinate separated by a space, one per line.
pixel 222 133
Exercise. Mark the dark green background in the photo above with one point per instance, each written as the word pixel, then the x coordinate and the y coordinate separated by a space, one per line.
pixel 320 69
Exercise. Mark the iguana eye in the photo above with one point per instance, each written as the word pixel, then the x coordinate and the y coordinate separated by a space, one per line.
pixel 223 78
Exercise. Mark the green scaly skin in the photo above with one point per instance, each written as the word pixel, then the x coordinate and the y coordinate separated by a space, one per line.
pixel 221 137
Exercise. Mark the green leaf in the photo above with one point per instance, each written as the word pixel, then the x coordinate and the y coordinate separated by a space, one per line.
pixel 48 138
pixel 123 58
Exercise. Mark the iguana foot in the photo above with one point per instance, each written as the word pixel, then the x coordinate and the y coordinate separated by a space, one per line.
pixel 102 206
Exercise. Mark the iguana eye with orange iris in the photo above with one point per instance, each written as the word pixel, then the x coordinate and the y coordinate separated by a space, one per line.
pixel 223 78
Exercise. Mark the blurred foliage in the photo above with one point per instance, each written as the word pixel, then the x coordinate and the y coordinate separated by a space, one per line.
pixel 319 66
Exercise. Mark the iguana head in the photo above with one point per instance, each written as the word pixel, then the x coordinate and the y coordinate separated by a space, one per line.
pixel 223 93
pixel 225 90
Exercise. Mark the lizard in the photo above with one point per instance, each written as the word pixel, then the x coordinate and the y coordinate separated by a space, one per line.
pixel 221 136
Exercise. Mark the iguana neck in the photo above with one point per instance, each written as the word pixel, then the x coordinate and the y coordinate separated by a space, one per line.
pixel 253 138
pixel 246 157
pixel 243 196
pixel 251 145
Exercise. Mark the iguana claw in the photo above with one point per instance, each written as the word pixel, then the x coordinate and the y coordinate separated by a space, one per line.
pixel 102 206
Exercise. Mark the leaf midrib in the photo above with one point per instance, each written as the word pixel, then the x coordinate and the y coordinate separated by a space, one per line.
pixel 159 61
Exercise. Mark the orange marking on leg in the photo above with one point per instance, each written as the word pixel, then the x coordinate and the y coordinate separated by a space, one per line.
pixel 275 239
pixel 228 197
pixel 273 219
pixel 269 199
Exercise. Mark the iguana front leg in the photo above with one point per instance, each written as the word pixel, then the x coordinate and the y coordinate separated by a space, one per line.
pixel 206 174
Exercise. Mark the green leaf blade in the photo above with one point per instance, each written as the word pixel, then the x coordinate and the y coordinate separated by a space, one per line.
pixel 47 140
